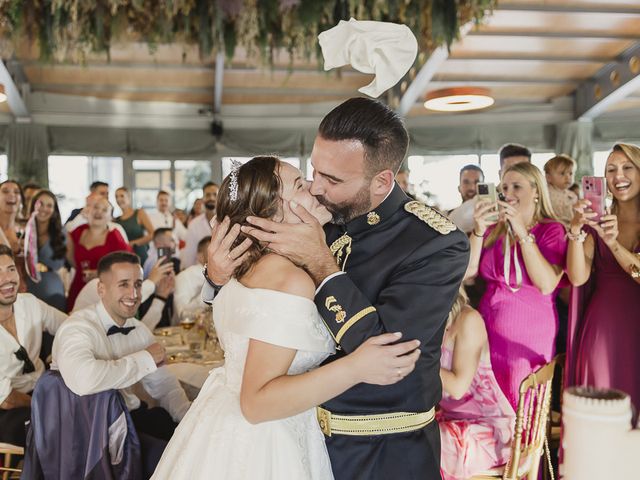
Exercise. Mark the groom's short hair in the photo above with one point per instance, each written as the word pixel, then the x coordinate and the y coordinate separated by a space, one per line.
pixel 380 130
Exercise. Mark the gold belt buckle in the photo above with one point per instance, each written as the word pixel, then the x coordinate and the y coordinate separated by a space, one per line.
pixel 324 420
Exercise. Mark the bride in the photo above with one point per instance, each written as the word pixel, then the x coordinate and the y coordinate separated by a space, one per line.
pixel 254 417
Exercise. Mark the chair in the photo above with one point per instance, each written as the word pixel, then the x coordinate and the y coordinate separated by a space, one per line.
pixel 9 451
pixel 530 436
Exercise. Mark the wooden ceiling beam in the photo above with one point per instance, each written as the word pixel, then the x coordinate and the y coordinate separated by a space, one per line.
pixel 609 85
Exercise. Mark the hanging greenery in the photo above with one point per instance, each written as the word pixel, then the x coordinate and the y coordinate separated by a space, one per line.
pixel 68 30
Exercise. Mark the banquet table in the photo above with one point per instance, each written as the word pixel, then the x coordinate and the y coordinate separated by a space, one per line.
pixel 191 355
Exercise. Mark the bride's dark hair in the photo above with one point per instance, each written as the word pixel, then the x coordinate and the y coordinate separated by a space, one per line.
pixel 259 190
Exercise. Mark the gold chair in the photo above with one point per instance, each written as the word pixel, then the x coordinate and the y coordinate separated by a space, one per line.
pixel 530 437
pixel 8 451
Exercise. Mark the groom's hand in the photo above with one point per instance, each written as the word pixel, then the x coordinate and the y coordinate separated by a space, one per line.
pixel 302 243
pixel 221 259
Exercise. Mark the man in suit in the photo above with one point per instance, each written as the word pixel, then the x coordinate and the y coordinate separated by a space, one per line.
pixel 385 264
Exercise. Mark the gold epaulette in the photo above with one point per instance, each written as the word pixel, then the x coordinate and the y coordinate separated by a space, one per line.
pixel 431 217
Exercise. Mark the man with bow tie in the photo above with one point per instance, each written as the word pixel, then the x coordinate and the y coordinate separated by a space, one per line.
pixel 103 347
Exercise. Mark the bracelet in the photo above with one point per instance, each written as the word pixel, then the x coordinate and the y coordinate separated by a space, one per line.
pixel 215 287
pixel 634 271
pixel 164 299
pixel 531 238
pixel 475 234
pixel 577 237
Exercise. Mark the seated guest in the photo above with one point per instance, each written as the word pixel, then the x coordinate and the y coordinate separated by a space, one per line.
pixel 89 296
pixel 200 226
pixel 11 230
pixel 165 243
pixel 163 218
pixel 521 259
pixel 29 189
pixel 158 310
pixel 104 348
pixel 85 213
pixel 476 419
pixel 89 243
pixel 559 174
pixel 136 224
pixel 98 188
pixel 52 251
pixel 23 318
pixel 189 282
pixel 462 216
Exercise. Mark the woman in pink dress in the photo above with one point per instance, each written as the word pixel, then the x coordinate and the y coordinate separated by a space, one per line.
pixel 89 243
pixel 521 259
pixel 604 350
pixel 476 420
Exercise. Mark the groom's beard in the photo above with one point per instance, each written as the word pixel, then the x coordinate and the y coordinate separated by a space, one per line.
pixel 343 213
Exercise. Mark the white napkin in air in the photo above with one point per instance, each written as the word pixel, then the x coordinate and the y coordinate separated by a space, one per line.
pixel 386 49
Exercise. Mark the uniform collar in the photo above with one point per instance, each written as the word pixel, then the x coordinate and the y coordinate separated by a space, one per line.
pixel 106 320
pixel 393 201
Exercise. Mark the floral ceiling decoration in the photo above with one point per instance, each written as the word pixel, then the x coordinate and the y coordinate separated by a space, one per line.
pixel 70 30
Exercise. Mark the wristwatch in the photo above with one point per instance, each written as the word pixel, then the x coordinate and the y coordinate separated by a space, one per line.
pixel 216 287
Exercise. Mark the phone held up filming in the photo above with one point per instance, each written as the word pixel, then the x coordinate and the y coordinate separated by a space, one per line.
pixel 595 190
pixel 487 191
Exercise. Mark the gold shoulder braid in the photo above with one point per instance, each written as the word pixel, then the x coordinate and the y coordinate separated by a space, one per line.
pixel 431 217
pixel 341 249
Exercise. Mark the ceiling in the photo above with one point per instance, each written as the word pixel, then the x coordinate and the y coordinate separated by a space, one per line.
pixel 530 54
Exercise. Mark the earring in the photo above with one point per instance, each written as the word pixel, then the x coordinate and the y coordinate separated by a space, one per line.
pixel 536 200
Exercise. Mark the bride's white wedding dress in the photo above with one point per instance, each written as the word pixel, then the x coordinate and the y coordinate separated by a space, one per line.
pixel 214 441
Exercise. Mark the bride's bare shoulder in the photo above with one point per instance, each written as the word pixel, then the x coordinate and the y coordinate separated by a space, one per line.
pixel 275 272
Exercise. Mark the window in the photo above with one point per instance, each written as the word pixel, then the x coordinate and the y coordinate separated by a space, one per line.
pixel 226 163
pixel 490 164
pixel 182 178
pixel 190 176
pixel 599 162
pixel 4 168
pixel 71 175
pixel 435 178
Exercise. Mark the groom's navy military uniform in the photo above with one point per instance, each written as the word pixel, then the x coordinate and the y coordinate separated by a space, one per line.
pixel 403 264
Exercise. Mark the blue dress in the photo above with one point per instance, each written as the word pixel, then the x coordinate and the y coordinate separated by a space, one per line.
pixel 50 289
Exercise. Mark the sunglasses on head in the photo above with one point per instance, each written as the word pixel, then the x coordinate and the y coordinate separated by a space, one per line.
pixel 23 356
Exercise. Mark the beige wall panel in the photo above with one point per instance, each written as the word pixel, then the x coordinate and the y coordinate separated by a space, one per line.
pixel 494 47
pixel 532 21
pixel 505 69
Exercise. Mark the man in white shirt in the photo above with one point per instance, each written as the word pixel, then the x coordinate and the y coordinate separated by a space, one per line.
pixel 104 347
pixel 159 285
pixel 189 282
pixel 23 317
pixel 83 217
pixel 200 226
pixel 163 218
pixel 462 216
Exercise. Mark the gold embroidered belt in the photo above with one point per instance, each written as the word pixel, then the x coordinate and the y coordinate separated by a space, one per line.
pixel 380 424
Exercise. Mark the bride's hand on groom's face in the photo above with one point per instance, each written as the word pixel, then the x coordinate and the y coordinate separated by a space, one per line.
pixel 381 361
pixel 303 243
pixel 221 259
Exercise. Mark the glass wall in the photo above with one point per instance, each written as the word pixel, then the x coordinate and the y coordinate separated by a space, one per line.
pixel 71 175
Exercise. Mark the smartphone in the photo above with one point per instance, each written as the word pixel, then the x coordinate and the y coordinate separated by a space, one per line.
pixel 487 191
pixel 165 253
pixel 595 190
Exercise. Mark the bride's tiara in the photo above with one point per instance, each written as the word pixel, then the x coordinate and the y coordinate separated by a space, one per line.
pixel 233 181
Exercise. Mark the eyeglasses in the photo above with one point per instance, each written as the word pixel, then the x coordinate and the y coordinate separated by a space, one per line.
pixel 23 356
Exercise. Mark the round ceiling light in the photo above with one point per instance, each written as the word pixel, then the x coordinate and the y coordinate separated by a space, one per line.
pixel 458 99
pixel 3 96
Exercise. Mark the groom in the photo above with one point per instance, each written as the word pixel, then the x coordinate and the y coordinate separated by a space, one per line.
pixel 385 264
